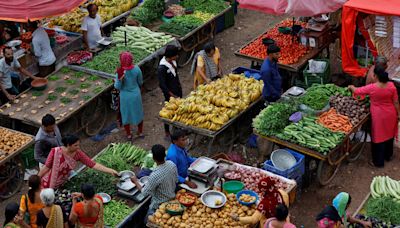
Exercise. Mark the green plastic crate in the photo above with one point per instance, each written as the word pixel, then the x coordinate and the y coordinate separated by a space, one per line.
pixel 28 158
pixel 230 18
pixel 317 78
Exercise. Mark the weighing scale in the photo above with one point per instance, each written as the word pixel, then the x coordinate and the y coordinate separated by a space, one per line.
pixel 205 170
pixel 128 190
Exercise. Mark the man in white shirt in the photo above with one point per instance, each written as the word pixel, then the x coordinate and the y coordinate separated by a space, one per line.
pixel 91 27
pixel 42 49
pixel 10 76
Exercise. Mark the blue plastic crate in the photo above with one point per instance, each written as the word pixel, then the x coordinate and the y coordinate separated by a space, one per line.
pixel 220 23
pixel 256 74
pixel 293 173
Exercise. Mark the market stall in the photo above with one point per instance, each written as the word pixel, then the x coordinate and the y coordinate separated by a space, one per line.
pixel 215 109
pixel 318 124
pixel 66 94
pixel 296 50
pixel 12 143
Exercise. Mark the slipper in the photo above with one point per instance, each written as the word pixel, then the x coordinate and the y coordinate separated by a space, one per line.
pixel 141 136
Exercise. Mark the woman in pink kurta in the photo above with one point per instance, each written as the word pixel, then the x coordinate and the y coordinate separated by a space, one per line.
pixel 384 115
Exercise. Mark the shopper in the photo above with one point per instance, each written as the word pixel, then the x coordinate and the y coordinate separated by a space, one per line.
pixel 42 49
pixel 385 112
pixel 380 61
pixel 62 160
pixel 47 137
pixel 31 203
pixel 51 215
pixel 12 217
pixel 281 219
pixel 206 65
pixel 11 73
pixel 162 181
pixel 335 215
pixel 270 75
pixel 168 78
pixel 129 81
pixel 89 212
pixel 91 27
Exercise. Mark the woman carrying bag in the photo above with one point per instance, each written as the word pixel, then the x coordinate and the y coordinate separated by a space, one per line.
pixel 31 203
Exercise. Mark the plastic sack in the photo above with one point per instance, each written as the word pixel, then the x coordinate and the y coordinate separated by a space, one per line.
pixel 316 67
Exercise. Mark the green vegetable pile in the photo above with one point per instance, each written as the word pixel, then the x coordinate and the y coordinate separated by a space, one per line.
pixel 317 96
pixel 208 6
pixel 385 186
pixel 384 208
pixel 102 181
pixel 274 118
pixel 60 89
pixel 130 153
pixel 65 100
pixel 309 134
pixel 53 78
pixel 114 212
pixel 85 85
pixel 37 93
pixel 98 89
pixel 73 91
pixel 111 57
pixel 181 25
pixel 149 11
pixel 86 97
pixel 51 97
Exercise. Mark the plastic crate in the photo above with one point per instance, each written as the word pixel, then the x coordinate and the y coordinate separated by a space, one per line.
pixel 229 18
pixel 28 158
pixel 220 23
pixel 293 173
pixel 250 72
pixel 317 78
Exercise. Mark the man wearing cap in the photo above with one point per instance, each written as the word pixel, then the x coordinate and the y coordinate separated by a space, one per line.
pixel 270 75
pixel 168 78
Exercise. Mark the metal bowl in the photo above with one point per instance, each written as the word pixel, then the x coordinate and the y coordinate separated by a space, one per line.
pixel 106 198
pixel 124 175
pixel 39 84
pixel 210 198
pixel 283 159
pixel 144 180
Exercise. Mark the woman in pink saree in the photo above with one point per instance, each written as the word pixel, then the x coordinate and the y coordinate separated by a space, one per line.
pixel 62 160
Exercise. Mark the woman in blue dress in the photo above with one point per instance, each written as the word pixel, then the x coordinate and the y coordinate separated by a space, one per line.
pixel 128 81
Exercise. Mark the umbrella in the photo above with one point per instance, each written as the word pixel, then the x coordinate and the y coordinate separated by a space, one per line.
pixel 24 10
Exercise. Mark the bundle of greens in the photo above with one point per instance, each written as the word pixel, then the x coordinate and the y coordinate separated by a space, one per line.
pixel 384 208
pixel 102 181
pixel 181 25
pixel 115 211
pixel 150 11
pixel 208 6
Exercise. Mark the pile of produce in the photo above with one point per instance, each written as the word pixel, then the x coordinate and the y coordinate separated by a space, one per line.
pixel 63 198
pixel 115 211
pixel 334 121
pixel 140 38
pixel 214 104
pixel 375 222
pixel 199 215
pixel 181 25
pixel 291 49
pixel 273 118
pixel 122 156
pixel 102 181
pixel 108 9
pixel 204 17
pixel 350 107
pixel 207 6
pixel 111 57
pixel 309 134
pixel 317 96
pixel 79 57
pixel 11 141
pixel 149 11
pixel 177 10
pixel 385 186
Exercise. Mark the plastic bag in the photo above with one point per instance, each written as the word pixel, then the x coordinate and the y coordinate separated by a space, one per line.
pixel 316 66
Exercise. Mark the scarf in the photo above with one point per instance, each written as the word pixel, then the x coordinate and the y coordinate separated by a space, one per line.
pixel 126 63
pixel 340 203
pixel 171 67
pixel 329 212
pixel 211 67
pixel 56 217
pixel 270 197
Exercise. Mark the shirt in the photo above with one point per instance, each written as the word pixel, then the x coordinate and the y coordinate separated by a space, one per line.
pixel 6 71
pixel 93 28
pixel 168 82
pixel 181 159
pixel 44 142
pixel 42 220
pixel 42 48
pixel 161 184
pixel 272 80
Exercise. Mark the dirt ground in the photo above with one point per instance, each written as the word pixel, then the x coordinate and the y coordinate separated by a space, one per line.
pixel 354 177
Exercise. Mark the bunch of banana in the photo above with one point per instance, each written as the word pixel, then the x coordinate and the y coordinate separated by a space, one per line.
pixel 214 104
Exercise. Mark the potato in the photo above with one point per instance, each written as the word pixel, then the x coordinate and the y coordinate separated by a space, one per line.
pixel 194 209
pixel 158 214
pixel 166 216
pixel 170 220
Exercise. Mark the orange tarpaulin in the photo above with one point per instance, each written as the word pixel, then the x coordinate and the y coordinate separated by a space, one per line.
pixel 24 10
pixel 349 18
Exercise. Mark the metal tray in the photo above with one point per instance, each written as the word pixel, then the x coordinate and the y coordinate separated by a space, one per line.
pixel 203 165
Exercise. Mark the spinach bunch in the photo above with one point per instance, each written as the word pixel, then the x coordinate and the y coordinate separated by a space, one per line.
pixel 207 6
pixel 181 25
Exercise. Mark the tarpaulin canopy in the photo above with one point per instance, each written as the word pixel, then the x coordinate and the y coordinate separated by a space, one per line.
pixel 24 10
pixel 349 21
pixel 293 7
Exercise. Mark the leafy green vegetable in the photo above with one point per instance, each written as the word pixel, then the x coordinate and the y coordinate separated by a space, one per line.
pixel 130 153
pixel 71 81
pixel 73 91
pixel 181 25
pixel 102 181
pixel 93 78
pixel 85 85
pixel 78 74
pixel 65 100
pixel 148 161
pixel 149 11
pixel 53 78
pixel 98 89
pixel 52 97
pixel 384 208
pixel 114 162
pixel 86 97
pixel 65 70
pixel 37 93
pixel 109 81
pixel 208 6
pixel 114 212
pixel 60 89
pixel 317 96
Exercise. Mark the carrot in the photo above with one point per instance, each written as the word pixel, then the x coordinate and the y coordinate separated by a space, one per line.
pixel 335 121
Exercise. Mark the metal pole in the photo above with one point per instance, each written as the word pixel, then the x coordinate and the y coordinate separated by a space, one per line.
pixel 125 39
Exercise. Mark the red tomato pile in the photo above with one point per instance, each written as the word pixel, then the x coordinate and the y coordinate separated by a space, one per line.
pixel 291 50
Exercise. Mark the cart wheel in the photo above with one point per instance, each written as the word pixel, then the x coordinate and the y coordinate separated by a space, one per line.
pixel 94 117
pixel 185 58
pixel 357 145
pixel 70 126
pixel 11 178
pixel 326 172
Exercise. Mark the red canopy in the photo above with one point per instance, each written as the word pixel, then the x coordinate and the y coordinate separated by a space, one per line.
pixel 24 10
pixel 349 18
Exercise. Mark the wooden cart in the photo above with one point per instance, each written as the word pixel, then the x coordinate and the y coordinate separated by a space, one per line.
pixel 12 169
pixel 230 131
pixel 351 148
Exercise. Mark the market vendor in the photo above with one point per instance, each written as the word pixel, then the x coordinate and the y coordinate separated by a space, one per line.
pixel 10 76
pixel 206 65
pixel 179 155
pixel 8 31
pixel 270 75
pixel 335 215
pixel 91 27
pixel 42 49
pixel 162 181
pixel 64 159
pixel 168 78
pixel 385 113
pixel 380 61
pixel 47 137
pixel 271 197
